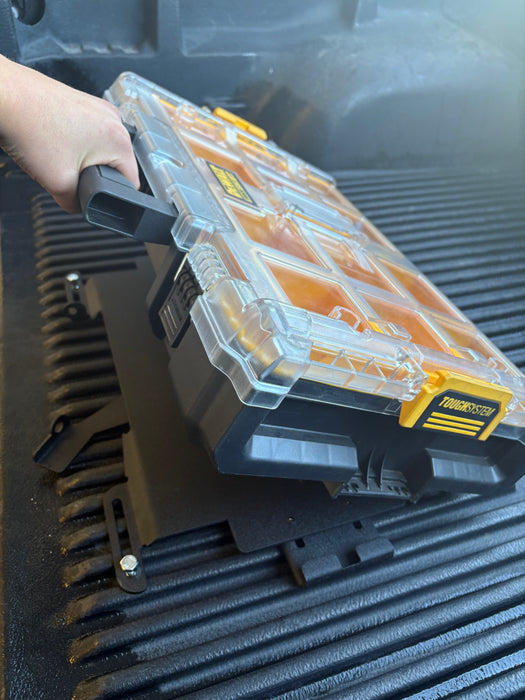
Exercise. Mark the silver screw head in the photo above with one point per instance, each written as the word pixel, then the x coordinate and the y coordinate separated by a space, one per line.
pixel 73 277
pixel 129 564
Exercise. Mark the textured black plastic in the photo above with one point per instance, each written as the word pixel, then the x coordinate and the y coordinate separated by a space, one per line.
pixel 110 201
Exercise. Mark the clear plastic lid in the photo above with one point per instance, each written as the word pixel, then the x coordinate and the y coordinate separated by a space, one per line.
pixel 297 283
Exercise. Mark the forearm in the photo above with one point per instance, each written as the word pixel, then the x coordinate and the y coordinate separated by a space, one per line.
pixel 10 97
pixel 54 132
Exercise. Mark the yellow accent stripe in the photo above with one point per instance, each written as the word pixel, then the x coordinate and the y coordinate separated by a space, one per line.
pixel 458 419
pixel 373 325
pixel 452 424
pixel 240 123
pixel 448 430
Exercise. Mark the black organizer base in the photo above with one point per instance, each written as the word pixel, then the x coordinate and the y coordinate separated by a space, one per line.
pixel 173 486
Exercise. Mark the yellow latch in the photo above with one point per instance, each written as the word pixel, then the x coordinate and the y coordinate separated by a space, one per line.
pixel 240 123
pixel 454 403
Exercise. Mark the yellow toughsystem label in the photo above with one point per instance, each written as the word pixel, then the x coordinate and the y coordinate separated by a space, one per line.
pixel 454 403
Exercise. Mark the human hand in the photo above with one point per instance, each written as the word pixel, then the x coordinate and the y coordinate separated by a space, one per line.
pixel 54 132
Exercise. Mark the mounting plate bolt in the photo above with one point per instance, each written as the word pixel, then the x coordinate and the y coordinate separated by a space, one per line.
pixel 74 279
pixel 129 564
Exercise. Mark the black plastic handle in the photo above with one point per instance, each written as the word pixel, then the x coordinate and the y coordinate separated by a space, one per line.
pixel 110 201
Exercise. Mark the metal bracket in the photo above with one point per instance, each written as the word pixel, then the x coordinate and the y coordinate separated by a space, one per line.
pixel 124 539
pixel 66 439
pixel 331 551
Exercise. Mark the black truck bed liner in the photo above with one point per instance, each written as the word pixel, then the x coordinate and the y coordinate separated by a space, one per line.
pixel 444 618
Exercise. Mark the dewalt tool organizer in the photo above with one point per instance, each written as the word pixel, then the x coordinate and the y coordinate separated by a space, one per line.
pixel 316 350
pixel 297 343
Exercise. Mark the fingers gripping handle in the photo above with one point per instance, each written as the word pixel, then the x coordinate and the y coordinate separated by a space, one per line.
pixel 110 201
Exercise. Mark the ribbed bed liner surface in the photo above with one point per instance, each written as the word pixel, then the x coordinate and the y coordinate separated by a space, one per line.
pixel 445 618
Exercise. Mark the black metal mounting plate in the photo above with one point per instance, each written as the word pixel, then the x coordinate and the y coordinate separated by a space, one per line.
pixel 173 486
